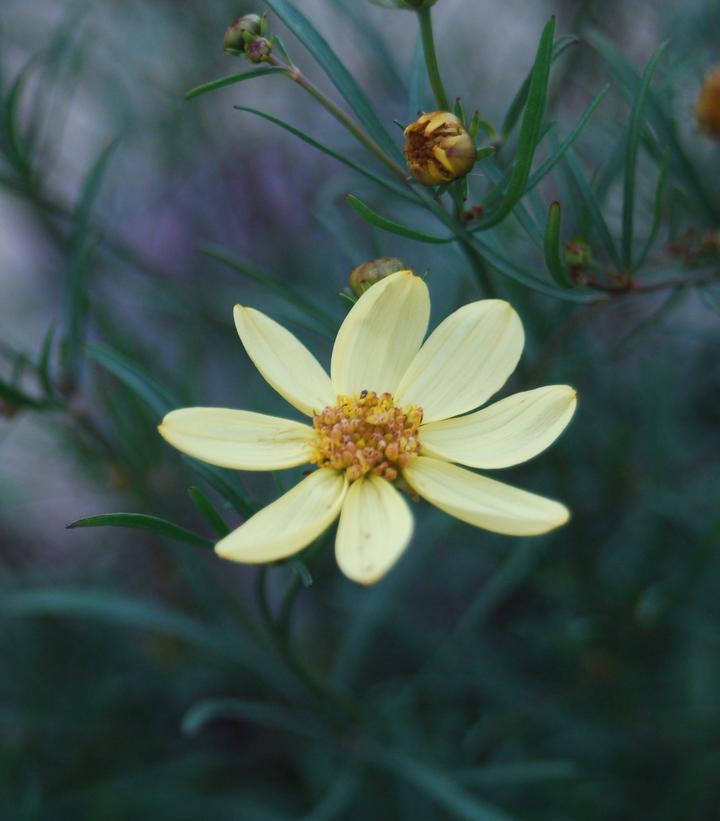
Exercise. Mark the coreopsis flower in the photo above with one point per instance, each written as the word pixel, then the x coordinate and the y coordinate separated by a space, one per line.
pixel 707 108
pixel 391 415
pixel 439 149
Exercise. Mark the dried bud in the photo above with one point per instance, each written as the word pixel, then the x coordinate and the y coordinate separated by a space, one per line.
pixel 235 37
pixel 373 271
pixel 439 148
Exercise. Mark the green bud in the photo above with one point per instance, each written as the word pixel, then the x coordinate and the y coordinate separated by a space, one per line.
pixel 258 49
pixel 250 24
pixel 373 271
pixel 577 253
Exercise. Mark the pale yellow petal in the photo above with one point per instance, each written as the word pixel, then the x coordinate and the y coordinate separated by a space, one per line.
pixel 288 524
pixel 238 439
pixel 483 502
pixel 375 528
pixel 381 335
pixel 505 433
pixel 465 360
pixel 284 361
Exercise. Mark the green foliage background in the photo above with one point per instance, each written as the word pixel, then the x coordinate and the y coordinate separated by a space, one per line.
pixel 571 676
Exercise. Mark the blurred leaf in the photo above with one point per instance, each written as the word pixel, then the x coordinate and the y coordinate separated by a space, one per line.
pixel 393 227
pixel 553 247
pixel 710 300
pixel 592 204
pixel 277 716
pixel 329 151
pixel 419 98
pixel 135 377
pixel 559 152
pixel 44 363
pixel 205 506
pixel 231 79
pixel 530 130
pixel 657 211
pixel 274 284
pixel 525 772
pixel 141 521
pixel 226 484
pixel 518 103
pixel 341 78
pixel 637 125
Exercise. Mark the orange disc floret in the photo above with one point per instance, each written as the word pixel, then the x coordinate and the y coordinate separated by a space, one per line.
pixel 707 108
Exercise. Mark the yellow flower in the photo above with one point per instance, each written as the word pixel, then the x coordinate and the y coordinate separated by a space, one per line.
pixel 439 148
pixel 707 108
pixel 389 414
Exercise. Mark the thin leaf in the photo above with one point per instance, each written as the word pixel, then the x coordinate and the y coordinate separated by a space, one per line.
pixel 226 484
pixel 43 366
pixel 559 152
pixel 274 284
pixel 276 716
pixel 657 211
pixel 205 506
pixel 141 521
pixel 393 227
pixel 593 206
pixel 231 79
pixel 341 78
pixel 530 129
pixel 553 249
pixel 518 103
pixel 329 151
pixel 135 377
pixel 635 132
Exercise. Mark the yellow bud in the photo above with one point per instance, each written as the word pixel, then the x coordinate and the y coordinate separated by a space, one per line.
pixel 234 42
pixel 707 108
pixel 439 148
pixel 373 271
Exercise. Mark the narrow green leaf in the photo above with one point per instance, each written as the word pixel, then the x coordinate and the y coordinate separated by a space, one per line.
pixel 559 153
pixel 524 772
pixel 205 506
pixel 274 284
pixel 329 151
pixel 393 227
pixel 657 211
pixel 231 79
pixel 593 206
pixel 710 300
pixel 44 363
pixel 16 397
pixel 135 377
pixel 553 249
pixel 277 716
pixel 227 485
pixel 141 521
pixel 530 130
pixel 518 103
pixel 341 78
pixel 634 135
pixel 91 188
pixel 419 93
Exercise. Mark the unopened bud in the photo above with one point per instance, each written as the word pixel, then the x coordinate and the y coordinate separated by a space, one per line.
pixel 235 37
pixel 373 271
pixel 707 108
pixel 439 148
pixel 258 50
pixel 577 253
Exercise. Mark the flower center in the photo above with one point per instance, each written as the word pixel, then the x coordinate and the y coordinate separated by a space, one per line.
pixel 366 433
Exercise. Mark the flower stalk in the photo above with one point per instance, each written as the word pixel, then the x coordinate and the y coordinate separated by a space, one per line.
pixel 431 61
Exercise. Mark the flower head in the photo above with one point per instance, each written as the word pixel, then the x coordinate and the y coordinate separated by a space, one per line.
pixel 707 107
pixel 391 415
pixel 439 149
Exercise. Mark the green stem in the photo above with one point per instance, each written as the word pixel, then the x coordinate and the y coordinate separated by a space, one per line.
pixel 428 41
pixel 294 73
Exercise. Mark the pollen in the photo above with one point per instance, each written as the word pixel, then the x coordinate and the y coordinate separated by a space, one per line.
pixel 367 433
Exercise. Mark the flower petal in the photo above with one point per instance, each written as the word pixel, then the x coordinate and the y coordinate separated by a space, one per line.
pixel 505 433
pixel 238 439
pixel 284 361
pixel 381 335
pixel 289 523
pixel 375 528
pixel 464 361
pixel 483 502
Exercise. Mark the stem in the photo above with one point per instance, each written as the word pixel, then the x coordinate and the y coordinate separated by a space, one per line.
pixel 294 73
pixel 433 70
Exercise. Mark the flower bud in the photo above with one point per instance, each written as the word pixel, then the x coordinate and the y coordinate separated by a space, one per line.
pixel 577 253
pixel 258 49
pixel 373 271
pixel 235 41
pixel 707 108
pixel 439 148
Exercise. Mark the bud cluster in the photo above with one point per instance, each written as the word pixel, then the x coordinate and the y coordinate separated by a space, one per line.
pixel 246 35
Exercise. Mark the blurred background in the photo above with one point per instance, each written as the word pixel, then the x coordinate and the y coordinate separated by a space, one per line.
pixel 571 676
